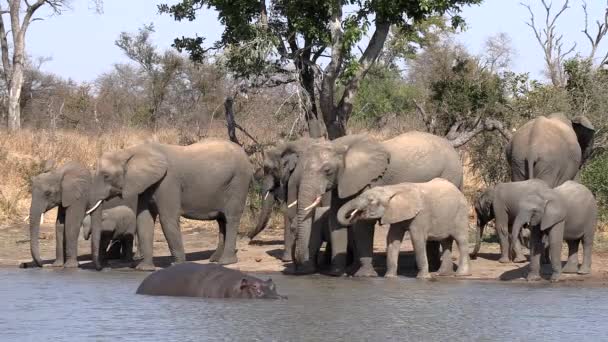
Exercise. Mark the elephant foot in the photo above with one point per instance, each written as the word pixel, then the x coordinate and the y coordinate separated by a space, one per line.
pixel 570 268
pixel 446 269
pixel 366 271
pixel 215 257
pixel 555 277
pixel 57 263
pixel 306 268
pixel 286 257
pixel 463 273
pixel 391 274
pixel 228 260
pixel 520 259
pixel 145 267
pixel 584 270
pixel 533 277
pixel 423 275
pixel 71 264
pixel 504 260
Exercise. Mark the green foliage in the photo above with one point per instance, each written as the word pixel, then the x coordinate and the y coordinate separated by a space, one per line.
pixel 595 176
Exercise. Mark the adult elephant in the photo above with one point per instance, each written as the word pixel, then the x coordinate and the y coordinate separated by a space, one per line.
pixel 350 164
pixel 67 188
pixel 551 148
pixel 207 180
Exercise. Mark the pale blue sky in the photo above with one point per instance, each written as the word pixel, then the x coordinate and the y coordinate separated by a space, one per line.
pixel 81 42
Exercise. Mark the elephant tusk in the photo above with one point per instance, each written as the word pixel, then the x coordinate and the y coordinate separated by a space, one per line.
pixel 26 218
pixel 293 204
pixel 94 207
pixel 353 213
pixel 266 196
pixel 42 218
pixel 314 204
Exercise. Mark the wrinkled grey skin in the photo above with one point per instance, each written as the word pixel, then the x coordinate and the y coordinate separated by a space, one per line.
pixel 506 205
pixel 66 188
pixel 550 148
pixel 434 210
pixel 207 180
pixel 568 212
pixel 118 225
pixel 348 165
pixel 207 281
pixel 279 185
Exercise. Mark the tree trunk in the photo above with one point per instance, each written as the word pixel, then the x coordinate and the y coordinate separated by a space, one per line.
pixel 230 122
pixel 14 98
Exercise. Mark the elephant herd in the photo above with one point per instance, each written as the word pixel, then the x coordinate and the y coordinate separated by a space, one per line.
pixel 333 191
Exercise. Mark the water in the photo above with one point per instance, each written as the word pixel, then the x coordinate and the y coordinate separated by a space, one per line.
pixel 80 305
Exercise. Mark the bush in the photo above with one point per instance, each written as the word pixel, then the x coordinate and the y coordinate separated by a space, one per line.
pixel 595 176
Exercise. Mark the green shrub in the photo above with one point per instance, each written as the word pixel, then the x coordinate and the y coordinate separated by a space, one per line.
pixel 595 176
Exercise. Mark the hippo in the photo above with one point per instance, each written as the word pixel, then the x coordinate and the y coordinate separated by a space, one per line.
pixel 207 281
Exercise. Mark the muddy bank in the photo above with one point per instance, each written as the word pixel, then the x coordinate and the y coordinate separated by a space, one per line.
pixel 200 239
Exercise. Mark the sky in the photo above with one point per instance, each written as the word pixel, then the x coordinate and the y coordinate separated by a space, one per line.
pixel 80 42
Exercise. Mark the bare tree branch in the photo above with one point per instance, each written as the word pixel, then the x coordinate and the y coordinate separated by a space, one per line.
pixel 458 139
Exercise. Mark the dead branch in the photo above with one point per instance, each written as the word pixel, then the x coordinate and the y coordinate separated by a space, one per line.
pixel 458 137
pixel 429 121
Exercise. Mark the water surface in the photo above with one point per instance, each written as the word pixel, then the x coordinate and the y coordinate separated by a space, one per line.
pixel 80 305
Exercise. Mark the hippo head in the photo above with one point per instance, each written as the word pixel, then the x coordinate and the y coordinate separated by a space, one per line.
pixel 253 288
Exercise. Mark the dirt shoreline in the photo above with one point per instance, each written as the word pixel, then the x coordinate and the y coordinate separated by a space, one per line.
pixel 263 256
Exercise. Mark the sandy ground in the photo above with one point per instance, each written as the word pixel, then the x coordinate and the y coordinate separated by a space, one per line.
pixel 200 239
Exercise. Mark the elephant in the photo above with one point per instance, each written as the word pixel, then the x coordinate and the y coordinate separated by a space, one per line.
pixel 281 177
pixel 206 281
pixel 208 180
pixel 435 210
pixel 506 205
pixel 568 212
pixel 118 226
pixel 484 212
pixel 350 164
pixel 66 187
pixel 551 148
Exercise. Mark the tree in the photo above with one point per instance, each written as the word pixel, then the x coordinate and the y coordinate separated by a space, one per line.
pixel 313 43
pixel 13 62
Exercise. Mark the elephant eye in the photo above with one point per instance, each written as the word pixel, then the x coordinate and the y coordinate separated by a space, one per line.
pixel 47 193
pixel 327 170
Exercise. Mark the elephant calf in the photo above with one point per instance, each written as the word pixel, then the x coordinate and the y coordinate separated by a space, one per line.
pixel 435 210
pixel 568 212
pixel 118 225
pixel 208 281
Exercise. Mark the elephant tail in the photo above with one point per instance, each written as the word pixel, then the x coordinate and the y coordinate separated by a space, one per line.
pixel 530 166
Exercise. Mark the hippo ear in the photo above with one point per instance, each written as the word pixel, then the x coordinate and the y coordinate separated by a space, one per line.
pixel 244 284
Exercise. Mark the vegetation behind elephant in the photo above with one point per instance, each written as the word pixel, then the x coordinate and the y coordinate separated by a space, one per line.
pixel 568 212
pixel 207 281
pixel 435 210
pixel 67 188
pixel 506 205
pixel 208 180
pixel 118 226
pixel 551 148
pixel 348 165
pixel 279 185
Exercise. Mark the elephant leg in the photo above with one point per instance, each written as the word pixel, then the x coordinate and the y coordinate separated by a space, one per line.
pixel 419 244
pixel 364 240
pixel 59 238
pixel 572 263
pixel 103 249
pixel 173 234
pixel 145 234
pixel 339 246
pixel 231 226
pixel 536 247
pixel 221 238
pixel 464 262
pixel 503 238
pixel 126 253
pixel 288 239
pixel 393 246
pixel 587 251
pixel 73 221
pixel 556 238
pixel 447 267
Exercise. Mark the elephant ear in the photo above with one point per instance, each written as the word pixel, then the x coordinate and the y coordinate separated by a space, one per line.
pixel 143 169
pixel 75 185
pixel 289 161
pixel 554 213
pixel 402 206
pixel 584 134
pixel 364 162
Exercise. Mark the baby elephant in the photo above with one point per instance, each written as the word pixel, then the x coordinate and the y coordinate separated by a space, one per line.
pixel 434 211
pixel 208 281
pixel 568 212
pixel 118 224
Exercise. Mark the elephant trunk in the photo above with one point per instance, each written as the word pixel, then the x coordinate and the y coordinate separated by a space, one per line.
pixel 348 212
pixel 481 224
pixel 267 205
pixel 96 227
pixel 36 210
pixel 519 222
pixel 307 200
